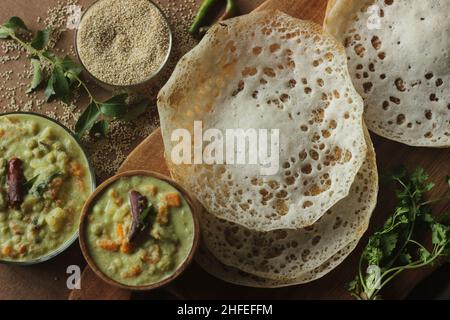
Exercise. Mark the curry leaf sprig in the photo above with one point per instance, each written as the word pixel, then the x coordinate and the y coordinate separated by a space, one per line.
pixel 63 76
pixel 397 246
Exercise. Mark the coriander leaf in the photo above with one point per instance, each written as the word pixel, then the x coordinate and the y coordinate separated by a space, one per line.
pixel 101 128
pixel 15 23
pixel 405 257
pixel 61 85
pixel 87 119
pixel 37 75
pixel 418 177
pixel 388 243
pixel 136 110
pixel 50 90
pixel 115 107
pixel 424 255
pixel 427 218
pixel 439 234
pixel 41 38
pixel 390 249
pixel 372 253
pixel 447 178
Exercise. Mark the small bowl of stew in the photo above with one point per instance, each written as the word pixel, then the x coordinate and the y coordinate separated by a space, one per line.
pixel 139 230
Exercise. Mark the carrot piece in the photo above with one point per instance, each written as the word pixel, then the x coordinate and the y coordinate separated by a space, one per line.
pixel 163 214
pixel 22 249
pixel 108 245
pixel 120 232
pixel 7 250
pixel 117 198
pixel 76 169
pixel 126 247
pixel 155 255
pixel 173 200
pixel 132 272
pixel 153 190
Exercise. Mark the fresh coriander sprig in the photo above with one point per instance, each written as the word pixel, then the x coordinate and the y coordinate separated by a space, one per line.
pixel 396 247
pixel 63 76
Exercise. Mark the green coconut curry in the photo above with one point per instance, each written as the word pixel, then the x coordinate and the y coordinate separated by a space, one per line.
pixel 139 230
pixel 44 182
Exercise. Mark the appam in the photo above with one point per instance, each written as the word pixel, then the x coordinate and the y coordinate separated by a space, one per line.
pixel 284 254
pixel 235 276
pixel 399 60
pixel 268 71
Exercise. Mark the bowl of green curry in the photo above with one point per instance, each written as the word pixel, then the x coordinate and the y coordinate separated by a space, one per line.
pixel 139 230
pixel 42 166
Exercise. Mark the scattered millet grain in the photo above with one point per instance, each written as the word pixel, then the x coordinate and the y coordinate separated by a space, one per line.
pixel 106 154
pixel 123 42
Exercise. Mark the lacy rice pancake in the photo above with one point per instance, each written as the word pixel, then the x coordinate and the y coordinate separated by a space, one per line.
pixel 270 71
pixel 42 167
pixel 399 61
pixel 286 254
pixel 139 230
pixel 235 276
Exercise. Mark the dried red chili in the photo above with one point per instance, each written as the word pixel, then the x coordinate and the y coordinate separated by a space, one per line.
pixel 15 182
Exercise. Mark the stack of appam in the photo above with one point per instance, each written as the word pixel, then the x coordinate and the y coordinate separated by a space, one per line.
pixel 270 71
pixel 399 61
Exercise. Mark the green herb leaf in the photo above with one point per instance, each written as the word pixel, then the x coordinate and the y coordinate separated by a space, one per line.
pixel 424 255
pixel 50 90
pixel 11 26
pixel 372 253
pixel 49 55
pixel 29 184
pixel 40 39
pixel 15 23
pixel 37 75
pixel 100 128
pixel 393 249
pixel 115 107
pixel 42 187
pixel 5 32
pixel 439 234
pixel 447 178
pixel 144 216
pixel 405 257
pixel 61 85
pixel 87 119
pixel 136 110
pixel 71 70
pixel 69 64
pixel 388 243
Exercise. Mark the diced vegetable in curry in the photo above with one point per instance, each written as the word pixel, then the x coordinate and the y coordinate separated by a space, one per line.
pixel 41 169
pixel 139 230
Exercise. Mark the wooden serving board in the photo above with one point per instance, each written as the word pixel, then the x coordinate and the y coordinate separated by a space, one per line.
pixel 197 284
